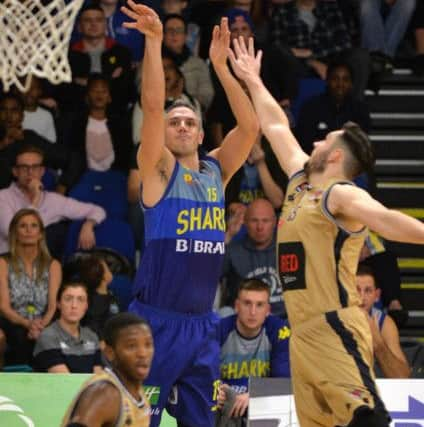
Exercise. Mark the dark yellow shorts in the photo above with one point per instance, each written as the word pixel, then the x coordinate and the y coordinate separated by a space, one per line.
pixel 331 364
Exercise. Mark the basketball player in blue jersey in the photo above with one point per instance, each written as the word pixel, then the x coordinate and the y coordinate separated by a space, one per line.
pixel 182 195
pixel 320 236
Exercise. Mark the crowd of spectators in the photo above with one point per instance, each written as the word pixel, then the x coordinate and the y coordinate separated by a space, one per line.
pixel 50 137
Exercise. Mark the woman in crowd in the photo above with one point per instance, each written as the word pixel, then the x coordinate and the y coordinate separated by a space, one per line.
pixel 29 280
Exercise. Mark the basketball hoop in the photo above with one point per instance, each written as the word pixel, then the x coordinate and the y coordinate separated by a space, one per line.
pixel 34 40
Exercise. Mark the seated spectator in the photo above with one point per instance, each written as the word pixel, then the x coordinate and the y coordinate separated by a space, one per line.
pixel 386 271
pixel 180 7
pixel 95 273
pixel 175 90
pixel 195 70
pixel 37 118
pixel 279 71
pixel 97 53
pixel 253 344
pixel 254 256
pixel 315 32
pixel 132 40
pixel 28 192
pixel 66 346
pixel 101 138
pixel 14 137
pixel 385 335
pixel 383 25
pixel 29 280
pixel 331 110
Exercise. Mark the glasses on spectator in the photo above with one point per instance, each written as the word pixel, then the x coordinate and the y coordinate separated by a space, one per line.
pixel 26 168
pixel 174 31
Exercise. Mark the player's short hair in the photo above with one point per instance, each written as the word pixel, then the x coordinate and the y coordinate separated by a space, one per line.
pixel 365 269
pixel 29 148
pixel 118 322
pixel 362 156
pixel 253 285
pixel 179 103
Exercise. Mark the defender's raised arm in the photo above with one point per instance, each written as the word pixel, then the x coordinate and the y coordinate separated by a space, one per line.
pixel 272 119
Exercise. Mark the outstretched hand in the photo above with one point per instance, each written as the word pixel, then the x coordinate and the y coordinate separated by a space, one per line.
pixel 243 60
pixel 220 44
pixel 145 19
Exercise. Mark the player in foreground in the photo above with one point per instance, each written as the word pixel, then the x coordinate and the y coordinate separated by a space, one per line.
pixel 115 397
pixel 320 235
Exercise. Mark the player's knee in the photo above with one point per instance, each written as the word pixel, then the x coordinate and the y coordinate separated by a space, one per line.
pixel 369 418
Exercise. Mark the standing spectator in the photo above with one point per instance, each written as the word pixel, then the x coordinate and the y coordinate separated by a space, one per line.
pixel 253 344
pixel 175 90
pixel 180 7
pixel 196 72
pixel 101 138
pixel 66 346
pixel 28 192
pixel 253 256
pixel 97 53
pixel 383 25
pixel 37 118
pixel 255 179
pixel 385 335
pixel 132 40
pixel 330 111
pixel 95 273
pixel 29 280
pixel 315 32
pixel 279 71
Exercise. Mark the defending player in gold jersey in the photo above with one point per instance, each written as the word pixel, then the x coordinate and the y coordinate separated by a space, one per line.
pixel 321 232
pixel 115 397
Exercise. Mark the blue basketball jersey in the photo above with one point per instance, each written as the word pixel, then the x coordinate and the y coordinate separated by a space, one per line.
pixel 184 234
pixel 266 355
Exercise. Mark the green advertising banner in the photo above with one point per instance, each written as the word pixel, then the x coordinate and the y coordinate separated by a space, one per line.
pixel 40 400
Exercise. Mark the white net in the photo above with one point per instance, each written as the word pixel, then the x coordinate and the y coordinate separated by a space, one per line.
pixel 34 40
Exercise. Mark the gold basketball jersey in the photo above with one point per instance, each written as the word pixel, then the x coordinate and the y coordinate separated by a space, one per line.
pixel 132 413
pixel 317 258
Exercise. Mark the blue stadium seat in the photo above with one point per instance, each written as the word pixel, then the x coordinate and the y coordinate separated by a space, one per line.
pixel 107 189
pixel 121 287
pixel 49 180
pixel 308 87
pixel 111 233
